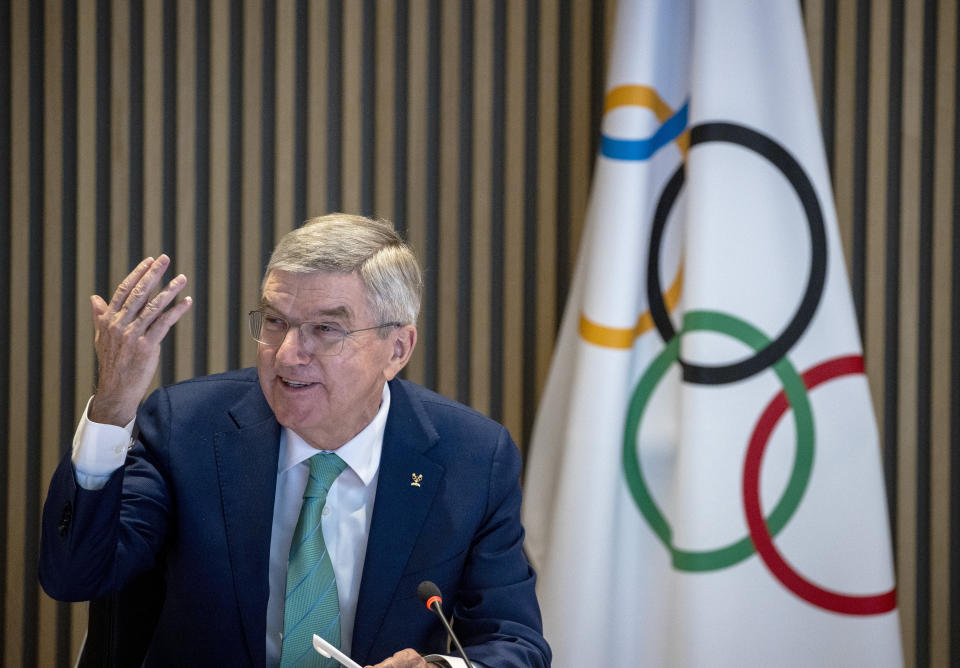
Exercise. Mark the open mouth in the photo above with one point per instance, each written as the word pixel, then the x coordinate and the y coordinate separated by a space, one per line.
pixel 295 384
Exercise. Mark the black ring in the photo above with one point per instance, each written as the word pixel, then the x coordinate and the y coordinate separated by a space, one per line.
pixel 791 169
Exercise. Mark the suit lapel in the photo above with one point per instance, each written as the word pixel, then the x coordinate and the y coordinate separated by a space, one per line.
pixel 247 472
pixel 398 512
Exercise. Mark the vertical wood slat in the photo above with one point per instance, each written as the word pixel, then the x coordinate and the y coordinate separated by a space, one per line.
pixel 530 181
pixel 235 165
pixel 268 87
pixel 169 174
pixel 135 87
pixel 939 418
pixel 910 548
pixel 349 101
pixel 368 106
pixel 382 100
pixel 598 50
pixel 34 417
pixel 953 613
pixel 431 253
pixel 465 205
pixel 497 208
pixel 154 141
pixel 858 269
pixel 334 109
pixel 48 612
pixel 68 261
pixel 201 215
pixel 564 215
pixel 514 300
pixel 401 119
pixel 548 201
pixel 19 258
pixel 828 84
pixel 448 276
pixel 891 366
pixel 413 24
pixel 250 260
pixel 219 316
pixel 480 207
pixel 301 110
pixel 184 260
pixel 116 123
pixel 6 191
pixel 924 319
pixel 284 111
pixel 103 146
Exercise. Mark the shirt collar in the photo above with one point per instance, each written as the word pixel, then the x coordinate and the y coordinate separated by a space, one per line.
pixel 361 453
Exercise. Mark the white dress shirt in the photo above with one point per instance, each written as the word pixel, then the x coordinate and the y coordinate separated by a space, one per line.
pixel 345 520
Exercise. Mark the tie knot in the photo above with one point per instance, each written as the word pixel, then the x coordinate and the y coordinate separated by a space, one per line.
pixel 324 469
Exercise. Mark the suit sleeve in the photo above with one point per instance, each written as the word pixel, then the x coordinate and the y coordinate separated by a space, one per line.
pixel 93 542
pixel 497 617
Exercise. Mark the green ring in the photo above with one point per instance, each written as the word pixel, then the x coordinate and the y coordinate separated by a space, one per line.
pixel 796 391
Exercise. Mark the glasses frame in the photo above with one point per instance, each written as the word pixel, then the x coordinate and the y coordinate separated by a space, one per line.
pixel 261 314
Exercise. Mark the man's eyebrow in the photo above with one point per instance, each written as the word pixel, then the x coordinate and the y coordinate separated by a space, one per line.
pixel 335 312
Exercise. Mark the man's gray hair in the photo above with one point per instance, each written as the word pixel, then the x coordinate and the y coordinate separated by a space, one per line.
pixel 344 243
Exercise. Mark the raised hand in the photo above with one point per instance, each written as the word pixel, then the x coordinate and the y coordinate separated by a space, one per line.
pixel 128 334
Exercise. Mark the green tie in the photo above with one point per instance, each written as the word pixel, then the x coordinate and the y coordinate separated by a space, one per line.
pixel 312 604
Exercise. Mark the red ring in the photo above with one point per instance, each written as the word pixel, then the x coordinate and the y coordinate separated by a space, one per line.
pixel 763 542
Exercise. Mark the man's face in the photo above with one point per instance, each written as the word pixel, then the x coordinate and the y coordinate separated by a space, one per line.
pixel 327 400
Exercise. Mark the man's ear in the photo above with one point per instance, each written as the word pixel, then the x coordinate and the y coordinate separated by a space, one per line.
pixel 403 340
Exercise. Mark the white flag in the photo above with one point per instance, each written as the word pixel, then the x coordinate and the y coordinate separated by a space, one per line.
pixel 704 485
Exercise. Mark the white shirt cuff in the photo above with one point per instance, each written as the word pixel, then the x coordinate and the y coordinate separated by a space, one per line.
pixel 451 661
pixel 99 450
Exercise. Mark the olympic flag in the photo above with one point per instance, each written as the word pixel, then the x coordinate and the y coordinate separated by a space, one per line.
pixel 704 484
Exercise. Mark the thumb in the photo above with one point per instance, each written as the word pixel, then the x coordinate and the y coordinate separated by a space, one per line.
pixel 99 306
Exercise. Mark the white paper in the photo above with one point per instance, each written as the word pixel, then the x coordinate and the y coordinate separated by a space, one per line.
pixel 331 652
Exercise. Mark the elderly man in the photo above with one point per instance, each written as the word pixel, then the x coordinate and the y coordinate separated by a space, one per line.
pixel 311 495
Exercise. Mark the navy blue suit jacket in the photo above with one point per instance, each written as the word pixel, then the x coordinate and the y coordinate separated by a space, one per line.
pixel 196 497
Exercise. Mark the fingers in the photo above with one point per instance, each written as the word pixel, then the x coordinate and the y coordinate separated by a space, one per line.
pixel 406 658
pixel 135 290
pixel 128 284
pixel 168 319
pixel 132 303
pixel 153 308
pixel 139 295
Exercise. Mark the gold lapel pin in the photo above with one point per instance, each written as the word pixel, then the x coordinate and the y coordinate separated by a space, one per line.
pixel 417 477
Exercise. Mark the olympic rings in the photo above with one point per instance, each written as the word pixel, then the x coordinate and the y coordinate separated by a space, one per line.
pixel 793 172
pixel 729 555
pixel 768 353
pixel 759 532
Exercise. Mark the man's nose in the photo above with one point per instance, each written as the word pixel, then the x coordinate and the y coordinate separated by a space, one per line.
pixel 291 348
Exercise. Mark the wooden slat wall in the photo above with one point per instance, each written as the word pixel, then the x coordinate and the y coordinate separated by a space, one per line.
pixel 887 77
pixel 209 128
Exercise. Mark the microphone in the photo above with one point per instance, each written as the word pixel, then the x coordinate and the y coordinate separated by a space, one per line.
pixel 430 595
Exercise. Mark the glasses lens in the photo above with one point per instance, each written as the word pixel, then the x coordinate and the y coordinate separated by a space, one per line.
pixel 255 320
pixel 322 338
pixel 266 328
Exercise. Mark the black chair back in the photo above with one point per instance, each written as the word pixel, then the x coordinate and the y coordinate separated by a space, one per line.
pixel 120 626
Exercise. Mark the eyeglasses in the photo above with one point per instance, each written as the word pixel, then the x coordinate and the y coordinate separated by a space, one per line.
pixel 316 338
